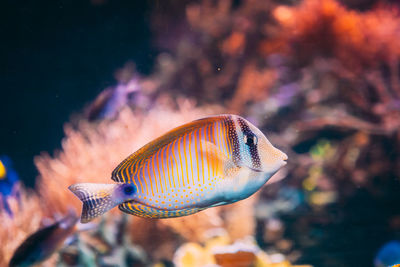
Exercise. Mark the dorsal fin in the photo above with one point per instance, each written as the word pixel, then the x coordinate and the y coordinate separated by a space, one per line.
pixel 122 173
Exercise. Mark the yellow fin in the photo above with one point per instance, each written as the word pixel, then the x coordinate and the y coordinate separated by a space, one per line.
pixel 219 159
pixel 3 171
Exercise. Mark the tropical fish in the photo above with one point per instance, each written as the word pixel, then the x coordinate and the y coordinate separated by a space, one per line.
pixel 8 182
pixel 43 243
pixel 388 255
pixel 8 176
pixel 111 100
pixel 209 162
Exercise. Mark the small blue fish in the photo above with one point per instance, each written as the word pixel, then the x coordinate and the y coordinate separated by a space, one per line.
pixel 8 179
pixel 8 176
pixel 388 254
pixel 206 163
pixel 42 244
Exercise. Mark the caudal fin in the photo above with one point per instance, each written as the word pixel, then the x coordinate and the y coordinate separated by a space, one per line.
pixel 96 198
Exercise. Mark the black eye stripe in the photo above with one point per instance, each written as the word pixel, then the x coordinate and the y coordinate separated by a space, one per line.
pixel 255 159
pixel 230 125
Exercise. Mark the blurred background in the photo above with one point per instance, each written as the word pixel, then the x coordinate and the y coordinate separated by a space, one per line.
pixel 67 52
pixel 86 83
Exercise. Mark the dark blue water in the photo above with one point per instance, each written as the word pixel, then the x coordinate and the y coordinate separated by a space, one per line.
pixel 55 57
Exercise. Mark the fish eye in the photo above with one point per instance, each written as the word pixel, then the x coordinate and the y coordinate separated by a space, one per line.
pixel 129 190
pixel 250 139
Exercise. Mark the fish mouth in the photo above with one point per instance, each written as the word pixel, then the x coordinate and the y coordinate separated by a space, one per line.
pixel 277 165
pixel 280 164
pixel 255 170
pixel 284 159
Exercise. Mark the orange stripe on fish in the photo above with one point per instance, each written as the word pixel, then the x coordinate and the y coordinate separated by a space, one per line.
pixel 196 157
pixel 168 160
pixel 154 173
pixel 206 160
pixel 220 145
pixel 180 161
pixel 190 156
pixel 211 163
pixel 158 170
pixel 144 179
pixel 162 168
pixel 176 163
pixel 185 156
pixel 149 175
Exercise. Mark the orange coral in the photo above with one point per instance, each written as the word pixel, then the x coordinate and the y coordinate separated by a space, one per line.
pixel 253 84
pixel 327 28
pixel 220 252
pixel 234 44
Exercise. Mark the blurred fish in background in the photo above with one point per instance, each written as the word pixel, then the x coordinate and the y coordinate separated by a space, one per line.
pixel 110 101
pixel 8 181
pixel 40 245
pixel 388 254
pixel 128 92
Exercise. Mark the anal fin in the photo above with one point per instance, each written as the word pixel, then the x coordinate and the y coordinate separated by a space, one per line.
pixel 141 210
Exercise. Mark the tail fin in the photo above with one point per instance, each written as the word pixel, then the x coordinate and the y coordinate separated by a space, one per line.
pixel 96 198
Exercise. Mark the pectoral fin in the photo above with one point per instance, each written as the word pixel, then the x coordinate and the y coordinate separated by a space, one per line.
pixel 225 166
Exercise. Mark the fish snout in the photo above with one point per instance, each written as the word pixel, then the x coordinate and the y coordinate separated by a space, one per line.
pixel 284 158
pixel 280 160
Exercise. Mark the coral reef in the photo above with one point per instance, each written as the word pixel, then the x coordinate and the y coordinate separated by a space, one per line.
pixel 217 251
pixel 320 78
pixel 25 219
pixel 326 78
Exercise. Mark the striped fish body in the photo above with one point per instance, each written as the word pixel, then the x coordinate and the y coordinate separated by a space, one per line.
pixel 179 173
pixel 209 162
